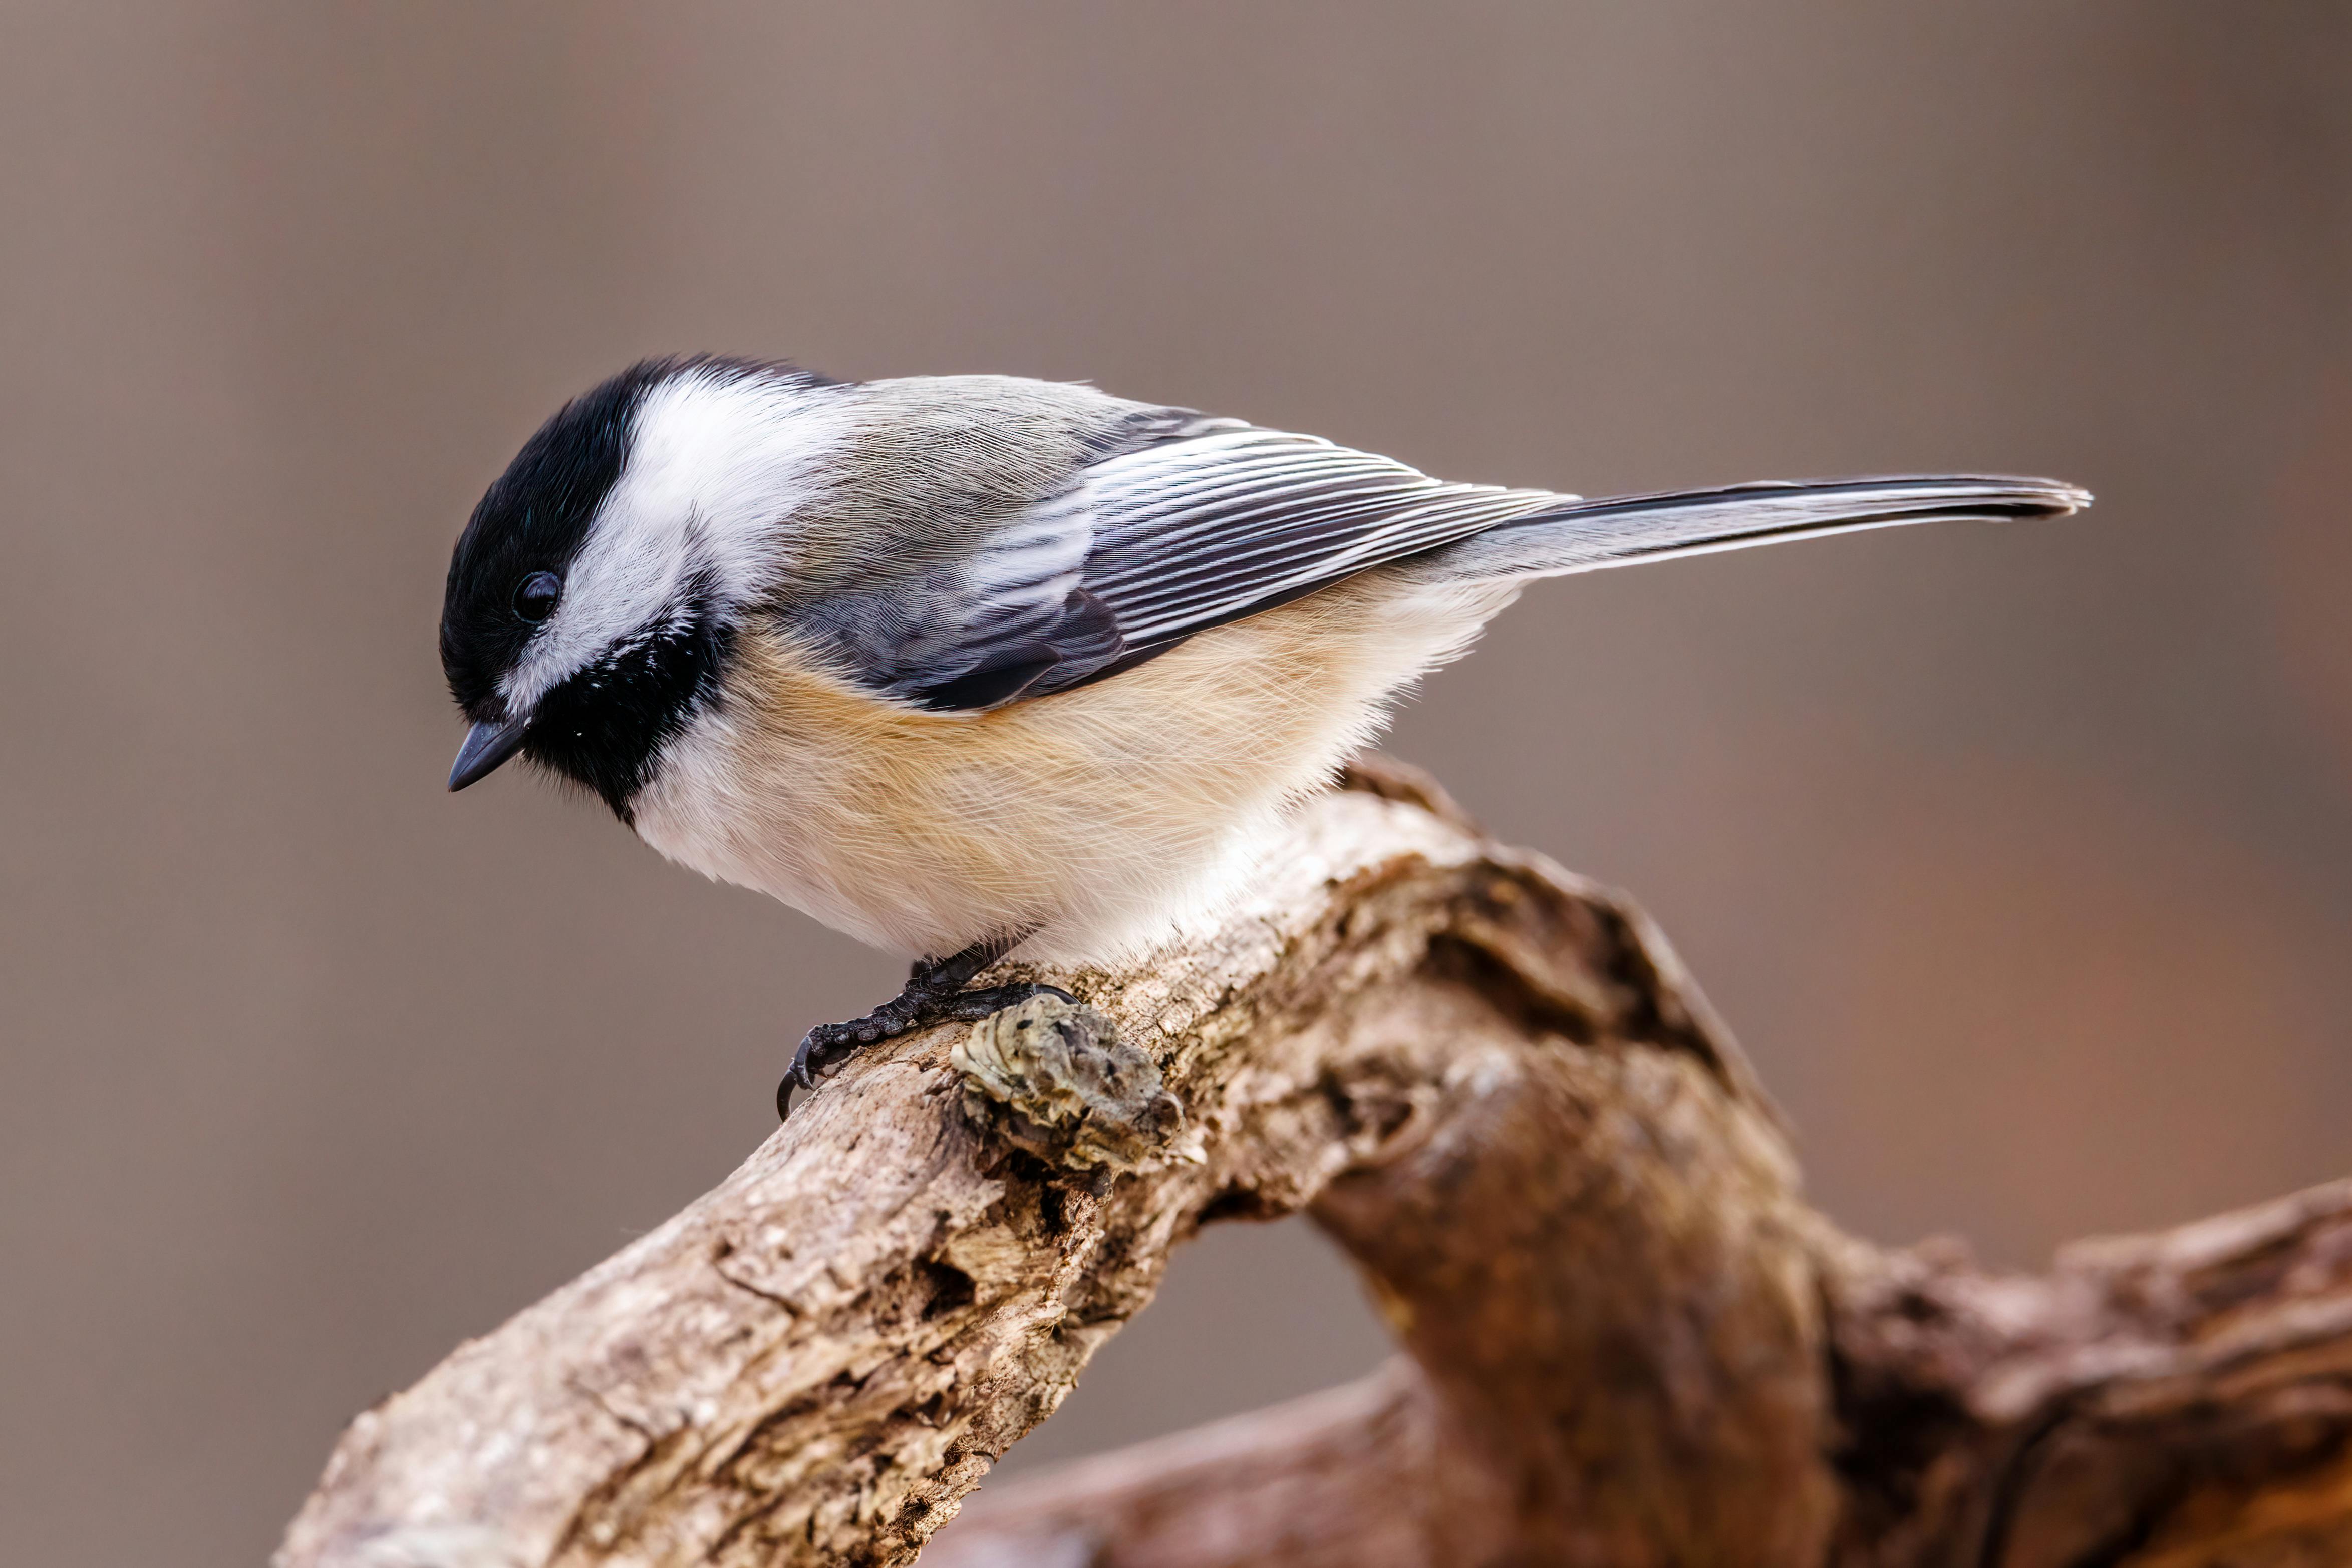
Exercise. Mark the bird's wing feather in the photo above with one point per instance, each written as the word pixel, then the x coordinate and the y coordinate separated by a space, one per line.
pixel 1142 549
pixel 1189 534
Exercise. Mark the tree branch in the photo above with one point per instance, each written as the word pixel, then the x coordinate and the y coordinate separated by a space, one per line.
pixel 1627 1340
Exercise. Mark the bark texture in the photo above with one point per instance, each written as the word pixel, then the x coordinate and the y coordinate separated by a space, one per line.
pixel 1625 1340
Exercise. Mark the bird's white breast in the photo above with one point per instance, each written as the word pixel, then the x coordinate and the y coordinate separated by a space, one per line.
pixel 1096 818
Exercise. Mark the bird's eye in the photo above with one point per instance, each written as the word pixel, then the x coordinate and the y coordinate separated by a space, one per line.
pixel 535 596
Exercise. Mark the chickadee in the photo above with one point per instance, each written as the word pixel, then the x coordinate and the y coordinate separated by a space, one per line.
pixel 959 665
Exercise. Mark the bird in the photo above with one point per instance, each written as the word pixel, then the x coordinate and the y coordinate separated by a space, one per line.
pixel 965 664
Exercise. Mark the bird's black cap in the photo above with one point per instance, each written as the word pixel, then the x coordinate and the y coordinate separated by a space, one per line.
pixel 534 519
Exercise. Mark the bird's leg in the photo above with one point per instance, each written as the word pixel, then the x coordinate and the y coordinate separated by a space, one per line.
pixel 934 994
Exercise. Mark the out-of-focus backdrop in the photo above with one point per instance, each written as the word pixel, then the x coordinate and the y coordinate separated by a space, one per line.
pixel 2021 858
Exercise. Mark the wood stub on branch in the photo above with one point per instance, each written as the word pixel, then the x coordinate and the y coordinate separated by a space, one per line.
pixel 2165 1401
pixel 1624 1339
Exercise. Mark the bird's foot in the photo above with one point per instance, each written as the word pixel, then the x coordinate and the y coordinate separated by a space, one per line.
pixel 934 994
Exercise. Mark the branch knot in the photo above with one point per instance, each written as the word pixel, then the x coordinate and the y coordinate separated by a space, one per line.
pixel 1053 1077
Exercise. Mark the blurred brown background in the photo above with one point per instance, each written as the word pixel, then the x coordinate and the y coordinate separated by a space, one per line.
pixel 2021 858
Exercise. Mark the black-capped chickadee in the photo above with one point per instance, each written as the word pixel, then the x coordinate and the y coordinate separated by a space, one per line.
pixel 963 664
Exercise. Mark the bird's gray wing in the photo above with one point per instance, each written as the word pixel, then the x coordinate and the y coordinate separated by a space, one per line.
pixel 1192 534
pixel 1142 549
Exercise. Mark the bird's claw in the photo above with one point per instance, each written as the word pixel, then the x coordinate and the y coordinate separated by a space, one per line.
pixel 829 1043
pixel 823 1044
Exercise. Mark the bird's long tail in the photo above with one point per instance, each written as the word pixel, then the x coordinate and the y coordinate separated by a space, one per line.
pixel 1585 536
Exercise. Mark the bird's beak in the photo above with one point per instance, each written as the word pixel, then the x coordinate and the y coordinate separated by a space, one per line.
pixel 487 744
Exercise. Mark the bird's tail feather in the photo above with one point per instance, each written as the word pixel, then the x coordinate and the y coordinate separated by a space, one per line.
pixel 1585 536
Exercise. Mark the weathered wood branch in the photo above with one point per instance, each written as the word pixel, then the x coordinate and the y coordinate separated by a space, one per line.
pixel 1626 1339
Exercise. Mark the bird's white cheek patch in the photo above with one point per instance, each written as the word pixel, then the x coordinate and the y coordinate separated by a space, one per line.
pixel 716 471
